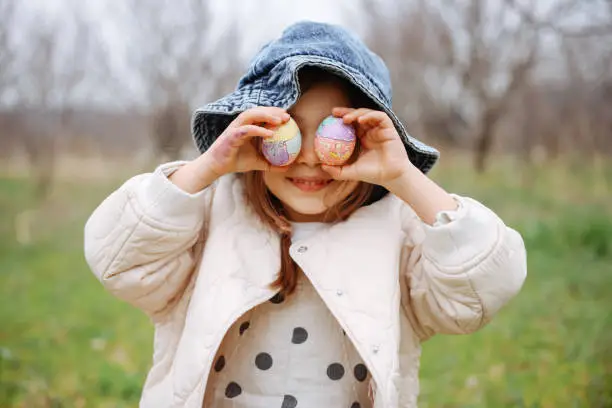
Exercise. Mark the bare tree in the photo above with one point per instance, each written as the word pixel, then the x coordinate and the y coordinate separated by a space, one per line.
pixel 52 63
pixel 52 67
pixel 582 120
pixel 459 67
pixel 7 12
pixel 7 56
pixel 461 62
pixel 179 63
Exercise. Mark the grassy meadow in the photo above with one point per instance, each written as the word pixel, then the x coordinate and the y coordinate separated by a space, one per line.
pixel 65 342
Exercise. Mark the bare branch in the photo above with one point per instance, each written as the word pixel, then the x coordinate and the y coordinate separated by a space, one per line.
pixel 549 22
pixel 7 12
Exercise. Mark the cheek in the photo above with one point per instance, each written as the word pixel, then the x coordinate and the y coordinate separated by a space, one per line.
pixel 340 192
pixel 273 181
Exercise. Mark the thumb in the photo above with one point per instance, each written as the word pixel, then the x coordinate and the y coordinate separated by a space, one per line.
pixel 264 165
pixel 253 164
pixel 341 172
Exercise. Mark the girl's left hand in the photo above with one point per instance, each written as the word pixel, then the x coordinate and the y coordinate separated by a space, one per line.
pixel 382 159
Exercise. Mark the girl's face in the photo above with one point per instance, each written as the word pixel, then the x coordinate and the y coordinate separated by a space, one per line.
pixel 305 190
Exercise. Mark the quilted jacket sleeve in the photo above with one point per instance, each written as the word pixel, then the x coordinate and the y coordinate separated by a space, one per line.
pixel 460 271
pixel 139 241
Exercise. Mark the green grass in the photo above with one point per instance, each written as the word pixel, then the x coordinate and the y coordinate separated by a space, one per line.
pixel 64 342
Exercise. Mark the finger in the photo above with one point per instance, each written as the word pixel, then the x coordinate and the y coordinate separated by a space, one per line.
pixel 375 118
pixel 264 165
pixel 347 172
pixel 351 117
pixel 267 115
pixel 273 110
pixel 340 111
pixel 284 115
pixel 260 118
pixel 239 136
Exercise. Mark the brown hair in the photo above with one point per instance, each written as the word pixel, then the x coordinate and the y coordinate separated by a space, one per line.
pixel 270 209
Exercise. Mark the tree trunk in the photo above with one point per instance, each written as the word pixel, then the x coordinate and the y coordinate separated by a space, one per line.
pixel 484 141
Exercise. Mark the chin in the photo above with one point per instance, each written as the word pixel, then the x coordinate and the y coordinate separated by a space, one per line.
pixel 306 198
pixel 305 206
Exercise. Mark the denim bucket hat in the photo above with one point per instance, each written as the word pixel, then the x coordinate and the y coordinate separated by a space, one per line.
pixel 272 80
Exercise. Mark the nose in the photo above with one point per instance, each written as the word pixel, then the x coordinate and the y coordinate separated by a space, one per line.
pixel 307 155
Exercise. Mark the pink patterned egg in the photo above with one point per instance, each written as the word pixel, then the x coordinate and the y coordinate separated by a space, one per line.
pixel 335 141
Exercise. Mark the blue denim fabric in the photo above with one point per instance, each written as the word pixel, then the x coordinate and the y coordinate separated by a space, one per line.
pixel 272 80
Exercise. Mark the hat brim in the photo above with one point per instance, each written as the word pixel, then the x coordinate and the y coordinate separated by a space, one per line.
pixel 209 121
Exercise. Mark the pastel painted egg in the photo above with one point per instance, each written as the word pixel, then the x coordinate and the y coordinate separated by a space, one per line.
pixel 335 141
pixel 283 148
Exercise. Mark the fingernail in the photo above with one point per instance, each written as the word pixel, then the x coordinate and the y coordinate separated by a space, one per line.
pixel 286 116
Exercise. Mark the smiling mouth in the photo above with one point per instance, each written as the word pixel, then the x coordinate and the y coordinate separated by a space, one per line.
pixel 310 184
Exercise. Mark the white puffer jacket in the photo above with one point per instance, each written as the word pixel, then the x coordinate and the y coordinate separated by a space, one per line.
pixel 390 280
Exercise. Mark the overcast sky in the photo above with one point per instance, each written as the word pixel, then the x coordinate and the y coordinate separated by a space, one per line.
pixel 262 19
pixel 258 20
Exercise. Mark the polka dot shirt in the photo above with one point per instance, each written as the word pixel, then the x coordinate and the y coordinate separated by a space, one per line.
pixel 288 353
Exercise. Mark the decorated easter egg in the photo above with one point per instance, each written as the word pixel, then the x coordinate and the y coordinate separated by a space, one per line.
pixel 335 141
pixel 283 148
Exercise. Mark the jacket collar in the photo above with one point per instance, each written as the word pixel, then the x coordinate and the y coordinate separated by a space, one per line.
pixel 368 240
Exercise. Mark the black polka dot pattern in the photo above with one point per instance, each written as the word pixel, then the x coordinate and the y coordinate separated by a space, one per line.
pixel 220 363
pixel 233 390
pixel 281 353
pixel 244 326
pixel 263 361
pixel 278 298
pixel 300 335
pixel 289 402
pixel 335 371
pixel 361 372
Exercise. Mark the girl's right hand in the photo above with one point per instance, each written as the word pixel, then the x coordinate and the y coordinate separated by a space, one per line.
pixel 233 151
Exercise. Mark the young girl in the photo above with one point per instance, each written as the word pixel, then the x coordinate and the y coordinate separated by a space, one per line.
pixel 309 285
